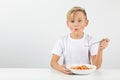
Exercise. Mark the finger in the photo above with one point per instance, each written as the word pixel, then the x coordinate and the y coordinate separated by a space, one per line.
pixel 68 71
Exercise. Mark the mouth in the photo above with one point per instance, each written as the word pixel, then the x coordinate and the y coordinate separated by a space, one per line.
pixel 76 29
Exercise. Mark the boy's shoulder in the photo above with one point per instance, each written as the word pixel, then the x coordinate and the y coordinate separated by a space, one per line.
pixel 64 37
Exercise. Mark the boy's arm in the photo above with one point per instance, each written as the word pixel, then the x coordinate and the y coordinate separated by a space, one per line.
pixel 97 59
pixel 55 65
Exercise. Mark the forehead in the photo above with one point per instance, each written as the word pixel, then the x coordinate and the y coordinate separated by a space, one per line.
pixel 77 15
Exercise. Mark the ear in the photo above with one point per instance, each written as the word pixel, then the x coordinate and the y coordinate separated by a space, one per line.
pixel 86 22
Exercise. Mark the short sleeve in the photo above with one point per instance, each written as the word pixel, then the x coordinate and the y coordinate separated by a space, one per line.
pixel 94 47
pixel 58 48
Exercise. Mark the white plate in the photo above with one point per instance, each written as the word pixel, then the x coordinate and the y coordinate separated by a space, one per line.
pixel 76 71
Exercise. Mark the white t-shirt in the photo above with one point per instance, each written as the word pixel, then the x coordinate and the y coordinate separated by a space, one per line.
pixel 75 51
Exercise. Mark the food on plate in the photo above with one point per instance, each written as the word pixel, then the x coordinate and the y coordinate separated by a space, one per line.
pixel 82 67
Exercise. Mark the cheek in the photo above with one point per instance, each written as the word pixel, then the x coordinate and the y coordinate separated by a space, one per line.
pixel 71 28
pixel 83 26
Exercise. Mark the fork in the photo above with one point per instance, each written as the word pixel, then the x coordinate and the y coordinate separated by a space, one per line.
pixel 94 43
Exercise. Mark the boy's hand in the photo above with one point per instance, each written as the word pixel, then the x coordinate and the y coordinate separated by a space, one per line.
pixel 65 70
pixel 103 43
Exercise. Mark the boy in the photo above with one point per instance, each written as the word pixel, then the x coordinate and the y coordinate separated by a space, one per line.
pixel 75 47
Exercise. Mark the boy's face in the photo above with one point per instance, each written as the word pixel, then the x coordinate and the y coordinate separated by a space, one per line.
pixel 78 23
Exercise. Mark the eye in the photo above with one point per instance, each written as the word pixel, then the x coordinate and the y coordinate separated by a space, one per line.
pixel 79 20
pixel 72 21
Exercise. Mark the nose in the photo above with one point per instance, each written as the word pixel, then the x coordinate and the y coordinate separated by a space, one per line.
pixel 75 25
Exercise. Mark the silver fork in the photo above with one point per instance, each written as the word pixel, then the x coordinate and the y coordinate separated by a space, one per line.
pixel 94 43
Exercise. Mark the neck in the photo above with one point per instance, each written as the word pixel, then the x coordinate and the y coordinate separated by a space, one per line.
pixel 77 36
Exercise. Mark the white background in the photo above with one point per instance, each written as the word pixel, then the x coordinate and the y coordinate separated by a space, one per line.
pixel 30 28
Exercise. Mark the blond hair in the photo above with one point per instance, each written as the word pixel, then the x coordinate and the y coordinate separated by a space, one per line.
pixel 72 12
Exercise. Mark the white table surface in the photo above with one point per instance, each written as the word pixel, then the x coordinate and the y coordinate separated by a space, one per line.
pixel 50 74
